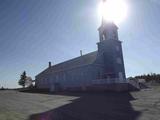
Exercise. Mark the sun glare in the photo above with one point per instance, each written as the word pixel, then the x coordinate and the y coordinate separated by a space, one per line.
pixel 113 10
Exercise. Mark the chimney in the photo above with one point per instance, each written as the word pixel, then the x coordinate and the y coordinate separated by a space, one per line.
pixel 50 64
pixel 81 52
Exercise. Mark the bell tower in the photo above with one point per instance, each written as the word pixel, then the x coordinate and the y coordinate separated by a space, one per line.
pixel 110 51
pixel 108 31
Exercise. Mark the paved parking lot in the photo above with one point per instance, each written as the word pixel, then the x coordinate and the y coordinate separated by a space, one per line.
pixel 142 105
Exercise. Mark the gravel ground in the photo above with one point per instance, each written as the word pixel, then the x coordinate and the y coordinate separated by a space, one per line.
pixel 141 105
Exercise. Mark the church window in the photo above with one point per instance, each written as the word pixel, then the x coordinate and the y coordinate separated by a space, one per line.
pixel 117 48
pixel 115 35
pixel 81 73
pixel 119 61
pixel 120 76
pixel 99 75
pixel 47 81
pixel 44 81
pixel 103 37
pixel 64 76
pixel 57 77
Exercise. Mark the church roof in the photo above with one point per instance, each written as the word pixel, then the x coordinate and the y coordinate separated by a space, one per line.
pixel 76 62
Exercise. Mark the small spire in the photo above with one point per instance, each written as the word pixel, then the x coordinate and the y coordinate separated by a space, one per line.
pixel 49 64
pixel 81 52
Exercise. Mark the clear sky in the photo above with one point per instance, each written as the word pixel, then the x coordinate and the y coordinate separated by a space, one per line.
pixel 33 32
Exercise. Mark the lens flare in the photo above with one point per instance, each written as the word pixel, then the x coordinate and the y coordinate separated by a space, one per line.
pixel 113 10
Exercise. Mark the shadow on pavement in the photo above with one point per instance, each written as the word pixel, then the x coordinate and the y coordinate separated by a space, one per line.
pixel 93 106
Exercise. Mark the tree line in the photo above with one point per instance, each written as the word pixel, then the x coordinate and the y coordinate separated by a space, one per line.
pixel 149 77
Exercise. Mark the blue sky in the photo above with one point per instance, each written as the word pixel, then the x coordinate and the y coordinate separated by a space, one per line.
pixel 33 32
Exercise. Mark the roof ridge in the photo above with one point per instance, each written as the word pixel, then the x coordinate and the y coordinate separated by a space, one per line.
pixel 74 58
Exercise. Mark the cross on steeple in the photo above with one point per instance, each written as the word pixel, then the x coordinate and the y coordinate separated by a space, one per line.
pixel 103 19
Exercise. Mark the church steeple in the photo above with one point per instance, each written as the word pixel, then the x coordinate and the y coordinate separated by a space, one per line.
pixel 110 51
pixel 108 30
pixel 108 35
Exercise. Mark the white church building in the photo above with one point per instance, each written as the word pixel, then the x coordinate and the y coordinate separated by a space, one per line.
pixel 102 69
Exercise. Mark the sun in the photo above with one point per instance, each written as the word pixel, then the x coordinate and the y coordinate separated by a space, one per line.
pixel 113 10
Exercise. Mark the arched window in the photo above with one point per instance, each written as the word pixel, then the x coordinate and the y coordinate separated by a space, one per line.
pixel 103 37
